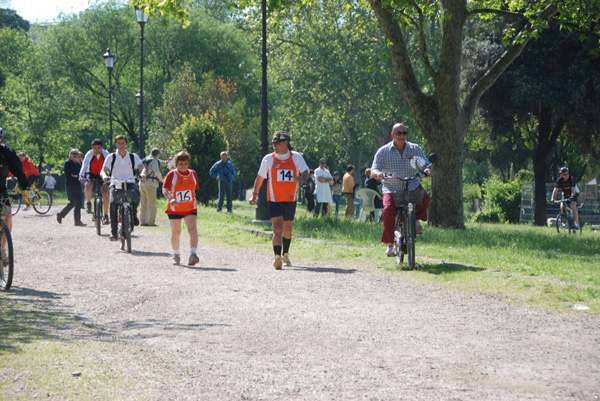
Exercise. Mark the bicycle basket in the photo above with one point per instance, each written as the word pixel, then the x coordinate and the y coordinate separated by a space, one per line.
pixel 121 195
pixel 405 197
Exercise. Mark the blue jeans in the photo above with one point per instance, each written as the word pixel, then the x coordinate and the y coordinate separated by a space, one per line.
pixel 336 200
pixel 225 189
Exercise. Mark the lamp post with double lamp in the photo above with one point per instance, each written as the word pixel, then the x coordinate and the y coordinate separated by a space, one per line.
pixel 142 18
pixel 109 62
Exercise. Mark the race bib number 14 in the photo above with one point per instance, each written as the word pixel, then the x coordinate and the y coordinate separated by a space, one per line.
pixel 285 175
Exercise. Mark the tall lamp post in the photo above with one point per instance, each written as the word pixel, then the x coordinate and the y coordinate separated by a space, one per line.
pixel 109 62
pixel 262 212
pixel 142 18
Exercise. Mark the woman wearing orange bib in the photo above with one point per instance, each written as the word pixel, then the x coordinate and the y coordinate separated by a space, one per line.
pixel 180 188
pixel 284 169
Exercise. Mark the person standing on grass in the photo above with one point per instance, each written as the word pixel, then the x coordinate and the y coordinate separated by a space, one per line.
pixel 348 190
pixel 284 169
pixel 224 172
pixel 49 183
pixel 179 188
pixel 323 180
pixel 72 167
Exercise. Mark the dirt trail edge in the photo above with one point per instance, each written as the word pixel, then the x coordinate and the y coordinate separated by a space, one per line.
pixel 233 328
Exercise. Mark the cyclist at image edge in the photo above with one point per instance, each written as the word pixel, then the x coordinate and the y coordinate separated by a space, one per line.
pixel 91 169
pixel 566 183
pixel 395 158
pixel 9 162
pixel 121 165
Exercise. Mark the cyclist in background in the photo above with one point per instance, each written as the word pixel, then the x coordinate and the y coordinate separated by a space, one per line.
pixel 122 165
pixel 9 162
pixel 90 171
pixel 395 158
pixel 566 184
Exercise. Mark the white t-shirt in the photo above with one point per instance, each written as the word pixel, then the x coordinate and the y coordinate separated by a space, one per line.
pixel 122 169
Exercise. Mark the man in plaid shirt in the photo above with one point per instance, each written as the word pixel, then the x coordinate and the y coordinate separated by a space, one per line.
pixel 399 158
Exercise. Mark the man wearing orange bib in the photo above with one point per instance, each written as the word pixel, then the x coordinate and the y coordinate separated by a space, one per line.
pixel 180 188
pixel 284 169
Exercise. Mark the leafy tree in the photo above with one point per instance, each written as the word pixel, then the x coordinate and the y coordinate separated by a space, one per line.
pixel 441 109
pixel 10 18
pixel 552 85
pixel 203 140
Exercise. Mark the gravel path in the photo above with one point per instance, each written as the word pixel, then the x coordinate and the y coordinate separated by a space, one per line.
pixel 233 328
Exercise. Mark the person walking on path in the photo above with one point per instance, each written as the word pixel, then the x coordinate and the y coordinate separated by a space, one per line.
pixel 224 172
pixel 148 188
pixel 179 189
pixel 323 179
pixel 71 168
pixel 348 190
pixel 49 183
pixel 284 169
pixel 90 171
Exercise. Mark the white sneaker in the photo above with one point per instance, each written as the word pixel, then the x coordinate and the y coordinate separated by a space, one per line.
pixel 26 208
pixel 390 252
pixel 576 225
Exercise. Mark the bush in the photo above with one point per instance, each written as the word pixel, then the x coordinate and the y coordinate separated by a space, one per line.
pixel 502 201
pixel 204 141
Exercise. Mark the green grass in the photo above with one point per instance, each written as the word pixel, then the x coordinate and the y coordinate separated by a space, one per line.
pixel 522 264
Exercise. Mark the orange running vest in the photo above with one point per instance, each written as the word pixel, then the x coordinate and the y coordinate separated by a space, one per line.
pixel 182 188
pixel 282 183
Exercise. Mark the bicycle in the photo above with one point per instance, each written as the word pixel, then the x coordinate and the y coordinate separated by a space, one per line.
pixel 98 204
pixel 39 199
pixel 124 200
pixel 6 252
pixel 564 219
pixel 405 233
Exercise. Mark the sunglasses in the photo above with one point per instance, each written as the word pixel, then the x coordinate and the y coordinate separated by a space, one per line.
pixel 400 133
pixel 276 141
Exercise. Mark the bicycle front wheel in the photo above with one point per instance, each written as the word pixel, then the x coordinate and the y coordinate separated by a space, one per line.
pixel 127 229
pixel 98 215
pixel 562 223
pixel 15 205
pixel 410 240
pixel 6 259
pixel 42 202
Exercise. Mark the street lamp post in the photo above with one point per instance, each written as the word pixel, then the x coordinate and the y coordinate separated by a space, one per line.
pixel 142 18
pixel 262 212
pixel 109 62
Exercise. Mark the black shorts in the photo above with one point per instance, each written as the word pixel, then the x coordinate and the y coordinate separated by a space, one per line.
pixel 179 216
pixel 285 209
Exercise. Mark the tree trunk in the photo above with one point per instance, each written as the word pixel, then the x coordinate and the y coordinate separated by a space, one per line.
pixel 547 137
pixel 446 208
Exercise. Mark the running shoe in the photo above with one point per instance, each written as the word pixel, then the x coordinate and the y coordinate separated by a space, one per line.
pixel 176 259
pixel 286 260
pixel 88 208
pixel 277 262
pixel 105 220
pixel 390 252
pixel 193 259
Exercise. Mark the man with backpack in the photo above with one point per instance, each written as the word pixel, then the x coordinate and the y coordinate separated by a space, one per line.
pixel 148 189
pixel 224 172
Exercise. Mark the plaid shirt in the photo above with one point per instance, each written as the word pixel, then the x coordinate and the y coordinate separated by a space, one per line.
pixel 389 160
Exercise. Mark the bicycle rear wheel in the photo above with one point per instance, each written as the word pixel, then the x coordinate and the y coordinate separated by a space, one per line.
pixel 6 259
pixel 42 202
pixel 98 215
pixel 15 205
pixel 410 239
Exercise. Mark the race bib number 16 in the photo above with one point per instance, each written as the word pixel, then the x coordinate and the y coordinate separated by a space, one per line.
pixel 183 196
pixel 285 175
